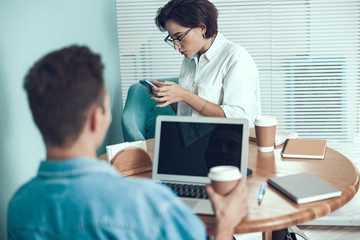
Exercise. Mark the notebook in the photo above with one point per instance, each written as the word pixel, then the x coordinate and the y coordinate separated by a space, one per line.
pixel 304 148
pixel 187 147
pixel 304 187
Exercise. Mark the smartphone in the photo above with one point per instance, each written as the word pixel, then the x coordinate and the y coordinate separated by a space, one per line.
pixel 147 83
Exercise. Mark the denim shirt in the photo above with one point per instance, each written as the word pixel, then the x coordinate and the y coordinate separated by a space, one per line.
pixel 84 198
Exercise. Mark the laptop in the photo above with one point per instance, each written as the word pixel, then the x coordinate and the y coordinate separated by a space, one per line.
pixel 187 147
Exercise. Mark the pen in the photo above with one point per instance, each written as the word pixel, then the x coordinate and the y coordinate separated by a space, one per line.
pixel 261 192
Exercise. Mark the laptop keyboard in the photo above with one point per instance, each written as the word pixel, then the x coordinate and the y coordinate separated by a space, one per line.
pixel 188 190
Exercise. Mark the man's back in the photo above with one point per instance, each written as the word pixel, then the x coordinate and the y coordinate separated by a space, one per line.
pixel 83 198
pixel 75 196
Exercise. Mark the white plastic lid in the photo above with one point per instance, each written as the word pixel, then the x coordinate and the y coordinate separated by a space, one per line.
pixel 224 173
pixel 265 121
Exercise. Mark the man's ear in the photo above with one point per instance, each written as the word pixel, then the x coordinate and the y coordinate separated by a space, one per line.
pixel 95 118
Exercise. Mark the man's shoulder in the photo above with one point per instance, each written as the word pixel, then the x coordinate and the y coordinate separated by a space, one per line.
pixel 25 188
pixel 148 188
pixel 124 201
pixel 104 184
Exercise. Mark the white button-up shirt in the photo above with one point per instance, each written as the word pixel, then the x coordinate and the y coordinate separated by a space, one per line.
pixel 225 75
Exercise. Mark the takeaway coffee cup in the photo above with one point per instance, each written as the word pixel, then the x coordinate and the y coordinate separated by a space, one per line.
pixel 265 128
pixel 224 178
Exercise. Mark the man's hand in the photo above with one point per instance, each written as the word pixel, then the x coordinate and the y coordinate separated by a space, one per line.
pixel 229 209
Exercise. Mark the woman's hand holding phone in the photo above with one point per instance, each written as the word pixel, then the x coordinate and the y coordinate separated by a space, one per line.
pixel 168 92
pixel 165 93
pixel 154 87
pixel 147 83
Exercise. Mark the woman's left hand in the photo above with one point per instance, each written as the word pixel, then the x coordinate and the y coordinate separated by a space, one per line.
pixel 167 93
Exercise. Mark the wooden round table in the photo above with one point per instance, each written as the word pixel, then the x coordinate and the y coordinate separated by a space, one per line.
pixel 277 211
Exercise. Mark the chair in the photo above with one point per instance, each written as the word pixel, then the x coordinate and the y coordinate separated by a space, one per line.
pixel 131 161
pixel 139 115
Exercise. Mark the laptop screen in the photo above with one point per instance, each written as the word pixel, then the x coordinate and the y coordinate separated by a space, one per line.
pixel 192 148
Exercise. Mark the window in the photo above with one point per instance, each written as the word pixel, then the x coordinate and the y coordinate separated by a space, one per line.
pixel 307 52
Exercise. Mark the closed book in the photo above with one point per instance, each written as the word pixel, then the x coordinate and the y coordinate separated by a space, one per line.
pixel 304 187
pixel 304 148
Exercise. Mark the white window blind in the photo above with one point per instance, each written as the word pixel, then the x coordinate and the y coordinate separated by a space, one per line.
pixel 307 52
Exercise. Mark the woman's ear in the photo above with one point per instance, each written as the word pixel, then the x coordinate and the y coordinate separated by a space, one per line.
pixel 203 29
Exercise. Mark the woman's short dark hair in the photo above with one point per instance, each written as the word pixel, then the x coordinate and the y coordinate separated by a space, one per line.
pixel 62 87
pixel 189 13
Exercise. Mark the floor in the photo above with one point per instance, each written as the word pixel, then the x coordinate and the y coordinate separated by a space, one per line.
pixel 348 215
pixel 317 233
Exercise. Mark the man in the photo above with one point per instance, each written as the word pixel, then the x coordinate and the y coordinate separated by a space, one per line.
pixel 75 196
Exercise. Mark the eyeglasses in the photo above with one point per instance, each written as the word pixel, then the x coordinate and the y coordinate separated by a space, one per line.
pixel 178 42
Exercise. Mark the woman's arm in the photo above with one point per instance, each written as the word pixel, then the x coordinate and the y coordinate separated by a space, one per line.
pixel 169 92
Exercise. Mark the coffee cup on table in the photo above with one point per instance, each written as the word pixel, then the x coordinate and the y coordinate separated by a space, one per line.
pixel 265 129
pixel 224 178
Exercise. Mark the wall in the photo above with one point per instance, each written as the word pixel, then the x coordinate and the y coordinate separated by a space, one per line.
pixel 28 30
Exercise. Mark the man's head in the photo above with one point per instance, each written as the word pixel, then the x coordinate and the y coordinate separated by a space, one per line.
pixel 224 147
pixel 64 88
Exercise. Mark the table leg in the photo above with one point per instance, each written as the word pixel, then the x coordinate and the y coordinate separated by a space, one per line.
pixel 275 235
pixel 267 235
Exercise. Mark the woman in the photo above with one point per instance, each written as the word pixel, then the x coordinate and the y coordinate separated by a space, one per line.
pixel 218 78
